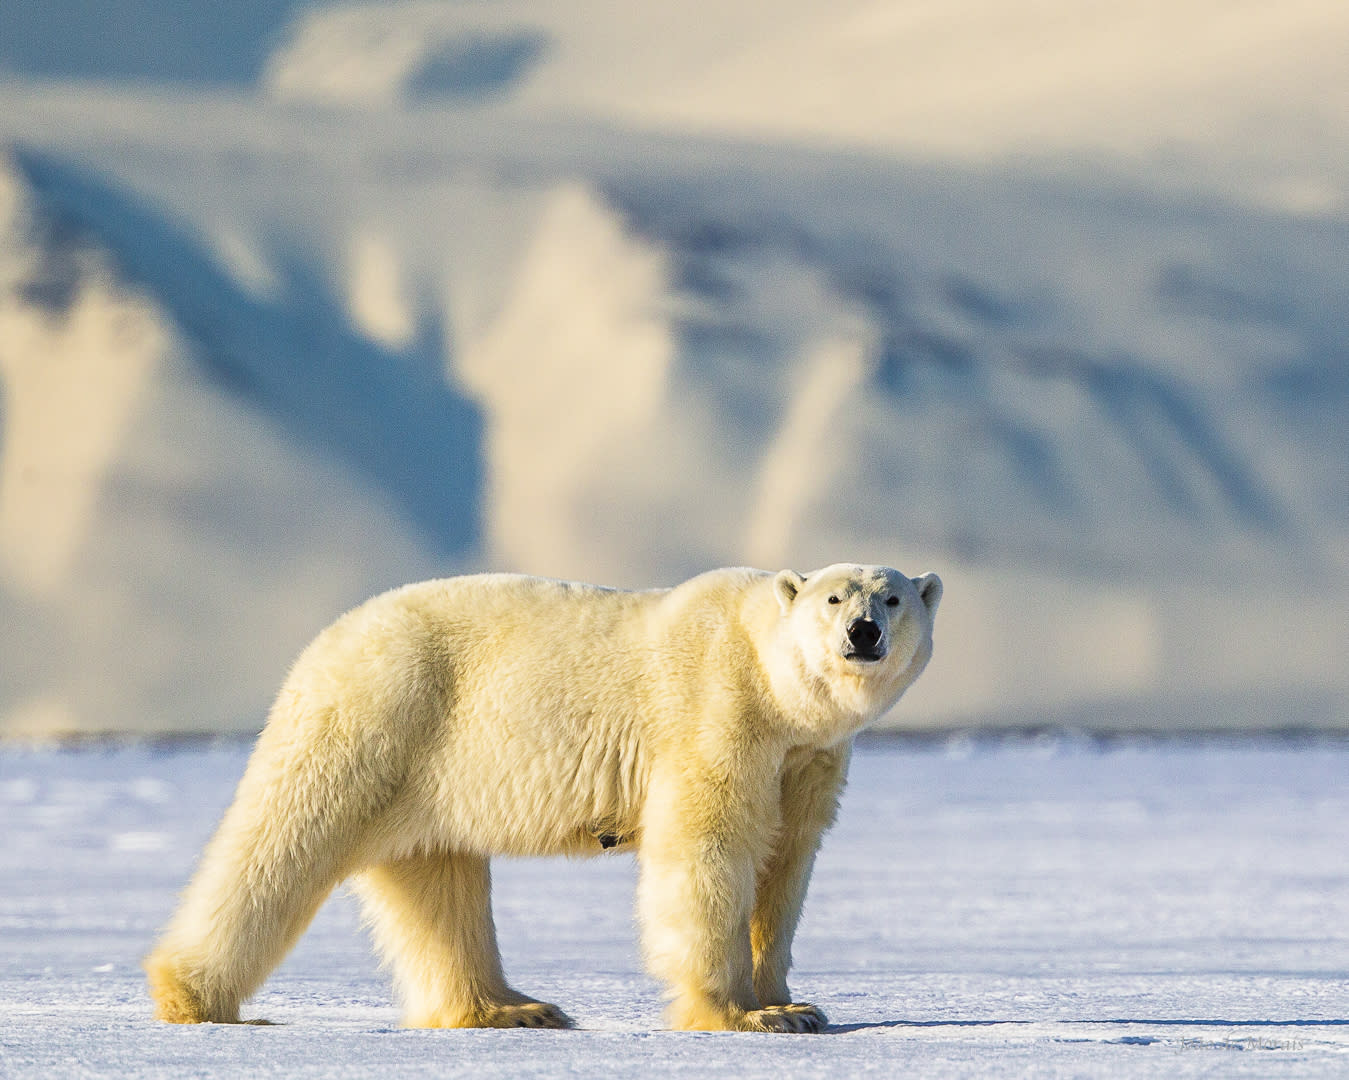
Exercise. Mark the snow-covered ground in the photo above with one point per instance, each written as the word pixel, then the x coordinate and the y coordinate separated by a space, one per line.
pixel 982 908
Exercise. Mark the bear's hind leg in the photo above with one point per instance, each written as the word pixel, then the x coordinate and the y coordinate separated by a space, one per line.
pixel 252 896
pixel 297 826
pixel 431 917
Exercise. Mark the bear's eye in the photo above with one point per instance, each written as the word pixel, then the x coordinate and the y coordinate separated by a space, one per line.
pixel 892 602
pixel 833 600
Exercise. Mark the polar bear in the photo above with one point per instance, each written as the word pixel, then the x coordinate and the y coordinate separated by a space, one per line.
pixel 706 727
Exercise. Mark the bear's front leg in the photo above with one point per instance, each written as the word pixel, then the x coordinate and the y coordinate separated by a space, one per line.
pixel 810 789
pixel 702 840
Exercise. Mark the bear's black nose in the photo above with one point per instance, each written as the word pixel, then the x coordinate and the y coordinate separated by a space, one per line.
pixel 863 634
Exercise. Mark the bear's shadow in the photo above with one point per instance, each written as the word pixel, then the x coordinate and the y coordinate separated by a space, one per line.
pixel 1176 1023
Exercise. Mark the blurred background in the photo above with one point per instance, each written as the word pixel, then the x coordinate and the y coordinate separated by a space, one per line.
pixel 301 301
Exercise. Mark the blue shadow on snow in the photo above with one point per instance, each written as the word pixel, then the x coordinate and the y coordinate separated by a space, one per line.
pixel 390 415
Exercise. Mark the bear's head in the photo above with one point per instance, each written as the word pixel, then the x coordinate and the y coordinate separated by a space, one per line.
pixel 862 634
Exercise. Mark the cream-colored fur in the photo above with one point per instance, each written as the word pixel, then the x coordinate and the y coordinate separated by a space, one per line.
pixel 707 727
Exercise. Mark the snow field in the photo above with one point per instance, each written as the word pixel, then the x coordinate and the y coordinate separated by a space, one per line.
pixel 982 908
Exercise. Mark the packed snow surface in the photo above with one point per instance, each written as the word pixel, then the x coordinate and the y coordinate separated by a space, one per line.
pixel 981 908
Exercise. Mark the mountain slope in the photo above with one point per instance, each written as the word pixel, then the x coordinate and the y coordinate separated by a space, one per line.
pixel 264 357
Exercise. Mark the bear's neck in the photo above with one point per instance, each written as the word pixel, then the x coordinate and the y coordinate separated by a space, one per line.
pixel 810 708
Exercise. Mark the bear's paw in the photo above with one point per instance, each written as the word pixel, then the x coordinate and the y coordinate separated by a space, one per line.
pixel 801 1018
pixel 531 1014
pixel 523 1012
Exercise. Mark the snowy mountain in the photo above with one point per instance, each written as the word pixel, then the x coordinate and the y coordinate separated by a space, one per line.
pixel 533 286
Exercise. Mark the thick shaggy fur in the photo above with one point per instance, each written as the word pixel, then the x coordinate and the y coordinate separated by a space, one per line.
pixel 707 727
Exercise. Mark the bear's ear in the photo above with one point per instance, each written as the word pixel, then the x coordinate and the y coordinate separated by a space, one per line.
pixel 929 591
pixel 787 584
